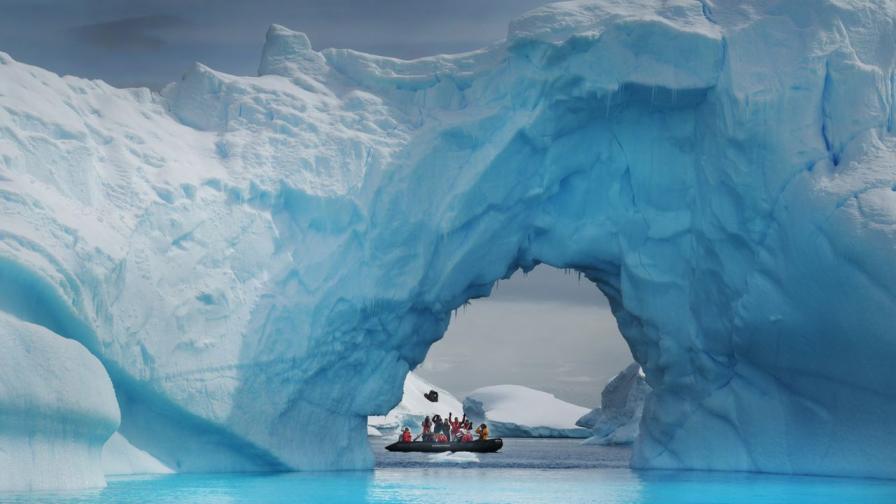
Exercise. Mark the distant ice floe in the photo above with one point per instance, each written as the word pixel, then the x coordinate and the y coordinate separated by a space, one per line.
pixel 517 411
pixel 617 419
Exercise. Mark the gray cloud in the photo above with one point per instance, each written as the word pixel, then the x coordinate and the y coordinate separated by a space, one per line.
pixel 132 33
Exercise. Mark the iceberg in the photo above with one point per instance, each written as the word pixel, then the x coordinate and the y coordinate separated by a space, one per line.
pixel 621 406
pixel 517 411
pixel 258 261
pixel 58 409
pixel 414 407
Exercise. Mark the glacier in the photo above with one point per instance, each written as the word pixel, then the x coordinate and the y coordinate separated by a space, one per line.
pixel 618 418
pixel 258 262
pixel 518 411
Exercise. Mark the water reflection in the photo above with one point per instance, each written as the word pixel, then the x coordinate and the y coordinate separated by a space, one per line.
pixel 435 485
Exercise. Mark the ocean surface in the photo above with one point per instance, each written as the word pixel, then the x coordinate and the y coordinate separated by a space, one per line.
pixel 525 471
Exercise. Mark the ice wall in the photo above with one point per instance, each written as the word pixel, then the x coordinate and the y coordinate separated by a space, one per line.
pixel 259 261
pixel 57 409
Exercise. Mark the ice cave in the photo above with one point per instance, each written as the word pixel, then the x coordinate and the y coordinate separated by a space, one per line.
pixel 248 254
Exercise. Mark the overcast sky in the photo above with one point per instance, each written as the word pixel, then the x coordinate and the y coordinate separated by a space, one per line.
pixel 547 331
pixel 153 42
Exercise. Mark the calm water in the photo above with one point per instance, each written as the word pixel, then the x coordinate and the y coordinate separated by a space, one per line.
pixel 527 471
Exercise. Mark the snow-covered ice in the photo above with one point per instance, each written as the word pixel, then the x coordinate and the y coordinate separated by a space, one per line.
pixel 517 411
pixel 259 261
pixel 58 408
pixel 414 407
pixel 622 403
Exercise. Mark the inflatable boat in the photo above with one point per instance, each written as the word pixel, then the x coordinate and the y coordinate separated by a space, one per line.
pixel 487 446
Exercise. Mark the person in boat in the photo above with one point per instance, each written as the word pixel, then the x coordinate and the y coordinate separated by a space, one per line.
pixel 436 424
pixel 426 435
pixel 446 427
pixel 455 427
pixel 406 435
pixel 482 431
pixel 466 436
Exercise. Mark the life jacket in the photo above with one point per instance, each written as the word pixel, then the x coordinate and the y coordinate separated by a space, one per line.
pixel 427 425
pixel 455 427
pixel 406 437
pixel 467 437
pixel 441 438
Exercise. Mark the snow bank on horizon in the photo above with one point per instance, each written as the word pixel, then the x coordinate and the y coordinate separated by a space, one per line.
pixel 518 411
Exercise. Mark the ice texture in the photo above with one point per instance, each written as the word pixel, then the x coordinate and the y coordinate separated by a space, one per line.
pixel 57 408
pixel 617 419
pixel 122 458
pixel 517 411
pixel 413 407
pixel 259 261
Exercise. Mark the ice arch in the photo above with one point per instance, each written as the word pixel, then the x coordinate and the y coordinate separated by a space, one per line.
pixel 259 261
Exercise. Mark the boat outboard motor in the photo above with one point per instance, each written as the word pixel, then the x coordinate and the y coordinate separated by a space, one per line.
pixel 432 396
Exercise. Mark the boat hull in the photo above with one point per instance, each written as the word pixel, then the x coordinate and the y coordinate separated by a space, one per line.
pixel 487 446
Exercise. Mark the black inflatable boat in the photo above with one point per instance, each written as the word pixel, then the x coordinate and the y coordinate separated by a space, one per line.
pixel 487 446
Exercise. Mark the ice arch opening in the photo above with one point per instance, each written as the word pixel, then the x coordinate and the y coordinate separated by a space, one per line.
pixel 546 329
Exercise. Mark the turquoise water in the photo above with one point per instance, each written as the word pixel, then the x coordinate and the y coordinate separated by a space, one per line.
pixel 510 477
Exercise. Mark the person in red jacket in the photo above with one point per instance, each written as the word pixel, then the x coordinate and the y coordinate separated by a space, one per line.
pixel 427 430
pixel 456 425
pixel 406 435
